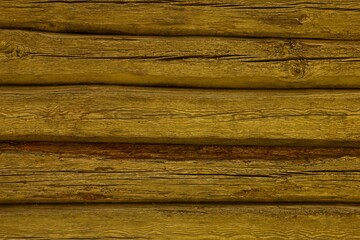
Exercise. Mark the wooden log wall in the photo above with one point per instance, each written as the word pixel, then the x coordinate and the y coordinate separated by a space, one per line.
pixel 30 57
pixel 186 119
pixel 93 172
pixel 180 222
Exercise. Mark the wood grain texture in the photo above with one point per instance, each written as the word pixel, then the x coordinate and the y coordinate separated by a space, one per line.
pixel 211 62
pixel 179 222
pixel 70 172
pixel 336 19
pixel 157 115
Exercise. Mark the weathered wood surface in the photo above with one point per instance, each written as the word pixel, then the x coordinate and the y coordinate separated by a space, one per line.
pixel 70 172
pixel 158 115
pixel 212 62
pixel 335 19
pixel 179 222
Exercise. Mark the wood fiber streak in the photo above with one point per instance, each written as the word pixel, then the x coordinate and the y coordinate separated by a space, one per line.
pixel 157 115
pixel 210 62
pixel 179 222
pixel 336 19
pixel 71 172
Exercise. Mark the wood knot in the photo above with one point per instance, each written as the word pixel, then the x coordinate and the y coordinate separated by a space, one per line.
pixel 302 19
pixel 294 71
pixel 295 44
pixel 298 68
pixel 289 49
pixel 13 50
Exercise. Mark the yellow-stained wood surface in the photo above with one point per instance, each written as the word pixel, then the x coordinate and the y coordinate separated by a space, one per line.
pixel 213 62
pixel 157 115
pixel 69 172
pixel 335 19
pixel 179 222
pixel 296 175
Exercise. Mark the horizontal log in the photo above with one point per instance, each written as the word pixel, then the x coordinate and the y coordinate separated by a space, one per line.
pixel 210 62
pixel 179 222
pixel 158 115
pixel 336 19
pixel 72 172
